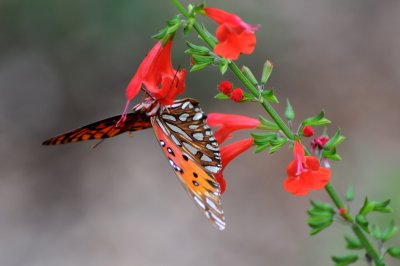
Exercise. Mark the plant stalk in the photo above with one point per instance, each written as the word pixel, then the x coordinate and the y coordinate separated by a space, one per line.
pixel 285 129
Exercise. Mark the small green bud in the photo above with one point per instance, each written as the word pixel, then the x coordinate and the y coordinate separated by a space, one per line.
pixel 267 69
pixel 289 112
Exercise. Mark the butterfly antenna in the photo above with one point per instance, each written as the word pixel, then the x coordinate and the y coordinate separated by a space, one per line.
pixel 106 134
pixel 97 144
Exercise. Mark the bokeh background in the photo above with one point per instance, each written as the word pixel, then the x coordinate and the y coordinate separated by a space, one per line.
pixel 66 63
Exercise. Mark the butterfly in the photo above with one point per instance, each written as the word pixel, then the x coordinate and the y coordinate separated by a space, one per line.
pixel 185 138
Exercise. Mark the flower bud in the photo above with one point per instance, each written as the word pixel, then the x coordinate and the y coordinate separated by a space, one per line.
pixel 308 131
pixel 319 142
pixel 237 95
pixel 225 87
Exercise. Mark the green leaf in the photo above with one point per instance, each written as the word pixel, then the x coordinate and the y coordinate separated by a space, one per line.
pixel 161 34
pixel 363 223
pixel 221 96
pixel 394 252
pixel 172 26
pixel 289 112
pixel 366 208
pixel 317 120
pixel 331 154
pixel 277 144
pixel 344 260
pixel 381 206
pixel 196 49
pixel 318 213
pixel 267 124
pixel 378 206
pixel 376 232
pixel 263 135
pixel 334 141
pixel 197 67
pixel 353 243
pixel 315 231
pixel 266 72
pixel 261 148
pixel 202 59
pixel 209 35
pixel 319 221
pixel 247 97
pixel 223 65
pixel 261 139
pixel 322 206
pixel 350 193
pixel 249 75
pixel 390 232
pixel 269 95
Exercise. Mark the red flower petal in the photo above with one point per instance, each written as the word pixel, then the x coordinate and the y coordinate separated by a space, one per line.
pixel 233 34
pixel 228 123
pixel 231 151
pixel 222 183
pixel 228 153
pixel 157 76
pixel 296 185
pixel 312 163
pixel 292 168
pixel 221 16
pixel 319 179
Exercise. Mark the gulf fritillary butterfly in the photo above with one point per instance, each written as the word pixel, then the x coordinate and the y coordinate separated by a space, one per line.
pixel 186 140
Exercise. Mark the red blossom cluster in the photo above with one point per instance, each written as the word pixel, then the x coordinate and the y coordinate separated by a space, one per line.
pixel 226 88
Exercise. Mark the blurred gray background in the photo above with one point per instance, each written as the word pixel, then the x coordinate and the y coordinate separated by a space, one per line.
pixel 67 63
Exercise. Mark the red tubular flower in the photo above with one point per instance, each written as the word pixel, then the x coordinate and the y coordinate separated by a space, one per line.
pixel 304 173
pixel 233 34
pixel 237 95
pixel 225 87
pixel 157 77
pixel 229 123
pixel 228 153
pixel 308 131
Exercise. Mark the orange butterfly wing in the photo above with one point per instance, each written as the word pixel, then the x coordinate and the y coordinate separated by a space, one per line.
pixel 197 180
pixel 103 129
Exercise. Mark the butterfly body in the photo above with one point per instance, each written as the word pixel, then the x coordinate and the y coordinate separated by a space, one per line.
pixel 185 139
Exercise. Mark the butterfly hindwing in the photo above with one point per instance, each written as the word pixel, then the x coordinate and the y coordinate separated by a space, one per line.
pixel 197 180
pixel 103 129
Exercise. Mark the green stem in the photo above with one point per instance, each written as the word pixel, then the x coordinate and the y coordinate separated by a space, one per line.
pixel 285 129
pixel 367 245
pixel 338 201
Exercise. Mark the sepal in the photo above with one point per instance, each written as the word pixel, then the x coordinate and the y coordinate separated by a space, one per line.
pixel 344 260
pixel 267 124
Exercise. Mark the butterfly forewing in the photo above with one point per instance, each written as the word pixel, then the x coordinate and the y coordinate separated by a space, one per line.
pixel 185 121
pixel 103 129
